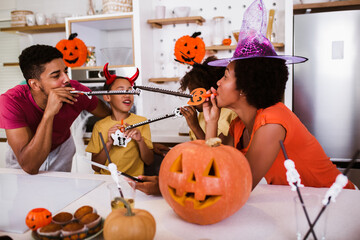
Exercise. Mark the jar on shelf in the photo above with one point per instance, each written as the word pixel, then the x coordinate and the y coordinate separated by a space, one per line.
pixel 90 59
pixel 218 34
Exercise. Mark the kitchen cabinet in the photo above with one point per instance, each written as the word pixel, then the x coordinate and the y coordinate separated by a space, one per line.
pixel 326 7
pixel 111 35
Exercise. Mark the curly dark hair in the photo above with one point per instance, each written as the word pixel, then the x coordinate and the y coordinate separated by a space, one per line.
pixel 33 59
pixel 202 75
pixel 262 80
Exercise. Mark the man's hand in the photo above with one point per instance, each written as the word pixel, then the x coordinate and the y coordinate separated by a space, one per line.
pixel 57 97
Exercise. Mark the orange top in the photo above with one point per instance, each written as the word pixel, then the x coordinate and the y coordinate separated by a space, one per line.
pixel 313 165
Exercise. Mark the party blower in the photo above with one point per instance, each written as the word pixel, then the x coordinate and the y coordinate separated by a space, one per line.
pixel 197 96
pixel 112 166
pixel 334 191
pixel 293 177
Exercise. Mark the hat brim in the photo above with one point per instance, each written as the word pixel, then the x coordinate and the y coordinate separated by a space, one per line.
pixel 288 60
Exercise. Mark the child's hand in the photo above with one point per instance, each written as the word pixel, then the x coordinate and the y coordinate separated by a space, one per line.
pixel 133 133
pixel 112 130
pixel 150 186
pixel 190 114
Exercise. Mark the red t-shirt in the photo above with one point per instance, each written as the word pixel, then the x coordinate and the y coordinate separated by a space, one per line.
pixel 313 165
pixel 18 109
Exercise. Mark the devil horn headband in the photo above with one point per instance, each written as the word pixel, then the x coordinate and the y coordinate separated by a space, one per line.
pixel 111 77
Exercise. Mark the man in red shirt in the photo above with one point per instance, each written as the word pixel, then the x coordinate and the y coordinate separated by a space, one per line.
pixel 37 116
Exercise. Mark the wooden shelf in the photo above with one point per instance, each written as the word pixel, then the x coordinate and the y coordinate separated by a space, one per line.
pixel 158 23
pixel 233 47
pixel 10 64
pixel 220 47
pixel 101 67
pixel 326 6
pixel 36 29
pixel 162 80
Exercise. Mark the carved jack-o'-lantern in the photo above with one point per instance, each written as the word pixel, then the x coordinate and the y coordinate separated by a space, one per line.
pixel 74 51
pixel 205 183
pixel 38 217
pixel 190 49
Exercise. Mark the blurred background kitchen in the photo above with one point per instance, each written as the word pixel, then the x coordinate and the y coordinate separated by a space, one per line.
pixel 144 32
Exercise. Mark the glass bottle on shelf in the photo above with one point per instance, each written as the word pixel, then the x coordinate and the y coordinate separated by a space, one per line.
pixel 218 34
pixel 90 59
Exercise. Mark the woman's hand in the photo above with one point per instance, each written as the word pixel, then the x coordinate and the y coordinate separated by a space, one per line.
pixel 210 108
pixel 150 186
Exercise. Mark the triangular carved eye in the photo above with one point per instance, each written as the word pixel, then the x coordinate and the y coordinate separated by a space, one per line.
pixel 177 165
pixel 212 170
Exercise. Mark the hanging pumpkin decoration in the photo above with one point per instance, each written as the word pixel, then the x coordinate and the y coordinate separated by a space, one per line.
pixel 205 182
pixel 127 223
pixel 74 51
pixel 37 218
pixel 190 49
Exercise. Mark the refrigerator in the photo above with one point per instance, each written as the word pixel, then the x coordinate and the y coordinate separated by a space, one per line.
pixel 326 88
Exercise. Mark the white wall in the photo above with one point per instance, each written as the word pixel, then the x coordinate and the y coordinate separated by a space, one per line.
pixel 164 41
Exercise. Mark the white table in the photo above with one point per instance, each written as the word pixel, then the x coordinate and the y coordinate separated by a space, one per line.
pixel 268 214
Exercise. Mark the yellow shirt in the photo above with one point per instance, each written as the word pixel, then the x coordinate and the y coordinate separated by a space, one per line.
pixel 127 159
pixel 226 116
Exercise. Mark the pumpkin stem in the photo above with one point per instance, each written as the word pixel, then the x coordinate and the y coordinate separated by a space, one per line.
pixel 195 34
pixel 72 36
pixel 127 205
pixel 213 142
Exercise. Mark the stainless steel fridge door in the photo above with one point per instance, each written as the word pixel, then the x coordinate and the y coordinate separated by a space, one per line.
pixel 327 87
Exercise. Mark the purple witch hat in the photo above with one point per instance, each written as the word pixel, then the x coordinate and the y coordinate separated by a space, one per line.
pixel 252 41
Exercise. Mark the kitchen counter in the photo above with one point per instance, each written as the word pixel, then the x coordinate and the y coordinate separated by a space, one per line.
pixel 2 135
pixel 269 212
pixel 156 136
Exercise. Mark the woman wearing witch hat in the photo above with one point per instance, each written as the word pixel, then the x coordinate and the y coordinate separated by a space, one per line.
pixel 253 87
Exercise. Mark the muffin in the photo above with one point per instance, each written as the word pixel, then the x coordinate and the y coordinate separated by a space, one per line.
pixel 74 230
pixel 62 218
pixel 51 230
pixel 82 211
pixel 92 221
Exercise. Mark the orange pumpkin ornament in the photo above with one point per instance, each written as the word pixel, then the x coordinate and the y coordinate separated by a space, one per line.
pixel 205 182
pixel 226 41
pixel 190 49
pixel 37 218
pixel 74 51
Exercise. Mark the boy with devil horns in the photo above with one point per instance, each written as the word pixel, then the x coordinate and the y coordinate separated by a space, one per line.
pixel 128 149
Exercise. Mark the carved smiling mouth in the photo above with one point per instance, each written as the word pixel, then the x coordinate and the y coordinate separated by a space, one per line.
pixel 190 196
pixel 72 61
pixel 188 59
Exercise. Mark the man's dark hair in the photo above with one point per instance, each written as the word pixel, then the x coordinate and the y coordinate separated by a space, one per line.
pixel 202 75
pixel 262 80
pixel 33 59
